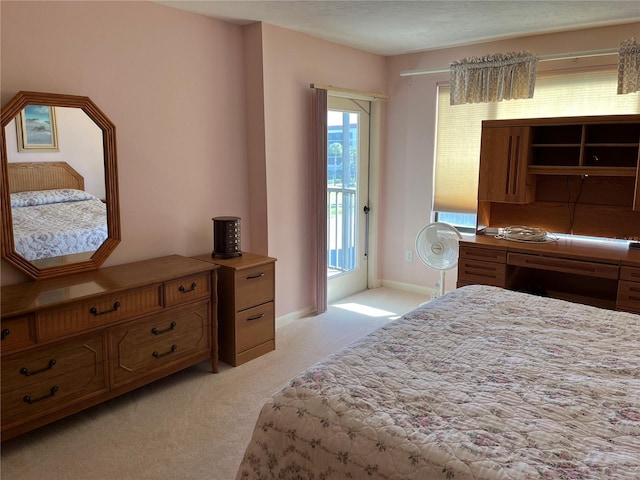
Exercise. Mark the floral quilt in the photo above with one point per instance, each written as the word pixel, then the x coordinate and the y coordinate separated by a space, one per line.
pixel 52 223
pixel 481 383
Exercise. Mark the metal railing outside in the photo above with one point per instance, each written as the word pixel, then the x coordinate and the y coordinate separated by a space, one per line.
pixel 341 229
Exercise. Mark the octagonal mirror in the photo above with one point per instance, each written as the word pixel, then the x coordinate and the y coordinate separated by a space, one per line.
pixel 59 184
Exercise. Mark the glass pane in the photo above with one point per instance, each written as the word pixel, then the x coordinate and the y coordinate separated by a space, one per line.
pixel 342 182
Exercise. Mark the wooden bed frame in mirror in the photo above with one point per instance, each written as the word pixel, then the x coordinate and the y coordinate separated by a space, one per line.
pixel 29 176
pixel 76 263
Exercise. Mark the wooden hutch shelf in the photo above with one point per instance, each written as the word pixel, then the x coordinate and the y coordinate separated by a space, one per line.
pixel 572 175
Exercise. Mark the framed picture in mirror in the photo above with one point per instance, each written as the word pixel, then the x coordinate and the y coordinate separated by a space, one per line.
pixel 37 130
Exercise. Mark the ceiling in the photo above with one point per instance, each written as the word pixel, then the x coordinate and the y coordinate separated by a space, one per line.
pixel 392 27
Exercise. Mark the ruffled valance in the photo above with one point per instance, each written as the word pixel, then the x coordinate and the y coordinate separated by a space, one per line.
pixel 629 67
pixel 493 78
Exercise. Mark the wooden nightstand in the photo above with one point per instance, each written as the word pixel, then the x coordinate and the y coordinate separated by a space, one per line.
pixel 246 301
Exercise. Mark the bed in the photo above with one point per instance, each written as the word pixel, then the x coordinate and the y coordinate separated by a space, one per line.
pixel 481 383
pixel 52 214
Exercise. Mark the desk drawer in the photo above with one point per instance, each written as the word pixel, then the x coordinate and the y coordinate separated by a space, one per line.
pixel 143 347
pixel 483 273
pixel 483 254
pixel 628 296
pixel 631 274
pixel 254 286
pixel 98 311
pixel 17 332
pixel 187 289
pixel 578 267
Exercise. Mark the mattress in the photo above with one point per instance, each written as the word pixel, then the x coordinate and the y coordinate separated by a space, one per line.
pixel 481 383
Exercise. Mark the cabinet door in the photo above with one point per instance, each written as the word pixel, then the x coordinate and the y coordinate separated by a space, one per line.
pixel 503 165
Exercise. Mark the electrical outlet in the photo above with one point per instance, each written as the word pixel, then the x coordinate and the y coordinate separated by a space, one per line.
pixel 408 256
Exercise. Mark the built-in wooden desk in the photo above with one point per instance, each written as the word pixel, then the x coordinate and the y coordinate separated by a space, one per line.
pixel 603 274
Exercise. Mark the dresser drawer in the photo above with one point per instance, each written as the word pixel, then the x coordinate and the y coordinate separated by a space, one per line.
pixel 57 322
pixel 143 347
pixel 483 254
pixel 628 296
pixel 17 332
pixel 255 326
pixel 187 289
pixel 38 398
pixel 21 370
pixel 480 272
pixel 254 286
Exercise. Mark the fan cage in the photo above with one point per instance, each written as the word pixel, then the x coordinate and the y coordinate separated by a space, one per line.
pixel 437 245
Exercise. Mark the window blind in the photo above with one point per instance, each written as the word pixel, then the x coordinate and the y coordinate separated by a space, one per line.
pixel 459 127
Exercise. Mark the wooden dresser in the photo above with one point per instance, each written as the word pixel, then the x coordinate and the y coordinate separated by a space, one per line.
pixel 246 312
pixel 72 342
pixel 595 273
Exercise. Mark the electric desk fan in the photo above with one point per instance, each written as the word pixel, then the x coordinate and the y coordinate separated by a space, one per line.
pixel 437 247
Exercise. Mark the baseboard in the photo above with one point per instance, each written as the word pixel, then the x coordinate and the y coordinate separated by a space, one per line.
pixel 407 287
pixel 293 316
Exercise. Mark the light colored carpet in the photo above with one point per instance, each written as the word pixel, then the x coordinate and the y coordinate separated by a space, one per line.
pixel 194 424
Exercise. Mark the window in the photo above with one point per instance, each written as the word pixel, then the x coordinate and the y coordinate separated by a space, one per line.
pixel 464 222
pixel 460 126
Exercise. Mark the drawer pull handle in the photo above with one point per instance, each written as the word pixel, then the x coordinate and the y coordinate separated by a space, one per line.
pixel 25 371
pixel 29 400
pixel 94 310
pixel 184 290
pixel 160 355
pixel 155 331
pixel 251 277
pixel 257 317
pixel 5 333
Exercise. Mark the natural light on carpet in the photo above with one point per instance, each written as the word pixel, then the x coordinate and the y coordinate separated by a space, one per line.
pixel 365 310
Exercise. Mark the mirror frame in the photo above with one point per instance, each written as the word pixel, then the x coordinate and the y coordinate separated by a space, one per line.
pixel 9 112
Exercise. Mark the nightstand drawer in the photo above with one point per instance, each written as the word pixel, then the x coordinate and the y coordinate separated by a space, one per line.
pixel 254 286
pixel 96 312
pixel 483 273
pixel 17 332
pixel 255 326
pixel 187 289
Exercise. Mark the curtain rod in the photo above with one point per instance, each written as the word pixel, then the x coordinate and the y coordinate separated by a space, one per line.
pixel 348 92
pixel 541 58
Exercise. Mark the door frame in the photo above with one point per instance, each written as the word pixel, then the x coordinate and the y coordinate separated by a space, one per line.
pixel 372 221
